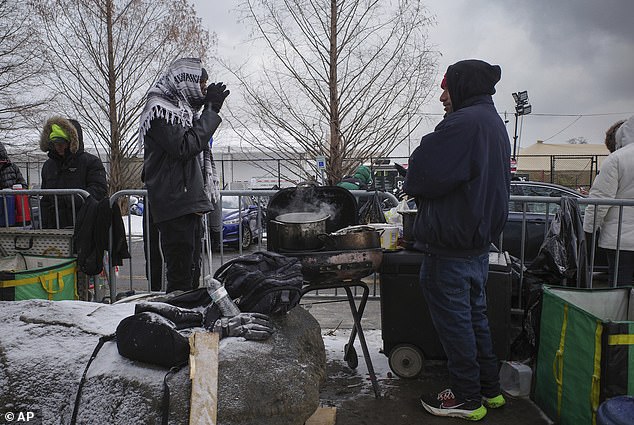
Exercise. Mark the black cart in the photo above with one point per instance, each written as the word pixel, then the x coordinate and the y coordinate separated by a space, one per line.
pixel 409 336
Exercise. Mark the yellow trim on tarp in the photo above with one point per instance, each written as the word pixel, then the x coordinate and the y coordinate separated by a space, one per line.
pixel 47 284
pixel 595 390
pixel 37 279
pixel 621 339
pixel 558 362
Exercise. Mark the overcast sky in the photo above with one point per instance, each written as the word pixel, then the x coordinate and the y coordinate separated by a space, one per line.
pixel 574 57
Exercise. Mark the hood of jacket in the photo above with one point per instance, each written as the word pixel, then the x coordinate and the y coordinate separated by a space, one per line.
pixel 625 134
pixel 3 153
pixel 73 131
pixel 470 78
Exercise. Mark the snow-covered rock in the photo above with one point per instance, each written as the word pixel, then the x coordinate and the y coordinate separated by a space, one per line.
pixel 45 346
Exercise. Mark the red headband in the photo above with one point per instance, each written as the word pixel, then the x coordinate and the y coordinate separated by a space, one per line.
pixel 443 84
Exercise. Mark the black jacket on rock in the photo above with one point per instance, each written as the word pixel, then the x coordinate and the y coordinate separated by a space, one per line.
pixel 171 168
pixel 76 170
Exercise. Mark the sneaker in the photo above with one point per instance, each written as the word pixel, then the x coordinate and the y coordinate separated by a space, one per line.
pixel 445 404
pixel 494 402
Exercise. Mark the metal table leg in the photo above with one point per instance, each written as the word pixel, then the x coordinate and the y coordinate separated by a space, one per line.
pixel 357 314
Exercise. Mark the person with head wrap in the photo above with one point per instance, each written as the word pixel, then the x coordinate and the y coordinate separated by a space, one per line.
pixel 68 167
pixel 615 181
pixel 460 177
pixel 179 118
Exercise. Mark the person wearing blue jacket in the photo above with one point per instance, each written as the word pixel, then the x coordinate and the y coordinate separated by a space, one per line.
pixel 460 178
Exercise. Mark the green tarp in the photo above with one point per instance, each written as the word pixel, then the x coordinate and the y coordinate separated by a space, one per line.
pixel 586 351
pixel 25 277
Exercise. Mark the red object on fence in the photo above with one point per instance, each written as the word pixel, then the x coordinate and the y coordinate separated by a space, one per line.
pixel 22 208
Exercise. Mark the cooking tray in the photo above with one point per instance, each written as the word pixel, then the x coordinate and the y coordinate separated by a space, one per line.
pixel 327 266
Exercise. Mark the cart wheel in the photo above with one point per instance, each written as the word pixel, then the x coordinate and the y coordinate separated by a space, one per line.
pixel 350 357
pixel 406 360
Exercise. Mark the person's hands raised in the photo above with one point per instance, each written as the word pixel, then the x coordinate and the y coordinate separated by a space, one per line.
pixel 216 95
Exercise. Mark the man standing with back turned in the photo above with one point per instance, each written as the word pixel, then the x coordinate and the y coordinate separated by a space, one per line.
pixel 460 177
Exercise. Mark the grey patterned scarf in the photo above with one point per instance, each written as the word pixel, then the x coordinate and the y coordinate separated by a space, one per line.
pixel 176 96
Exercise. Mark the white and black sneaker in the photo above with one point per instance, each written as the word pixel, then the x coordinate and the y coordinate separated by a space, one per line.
pixel 445 404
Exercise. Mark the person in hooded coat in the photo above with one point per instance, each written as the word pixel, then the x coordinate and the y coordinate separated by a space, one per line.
pixel 68 167
pixel 460 177
pixel 360 180
pixel 177 171
pixel 615 181
pixel 9 172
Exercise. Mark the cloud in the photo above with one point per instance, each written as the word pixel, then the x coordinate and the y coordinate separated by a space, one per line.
pixel 572 56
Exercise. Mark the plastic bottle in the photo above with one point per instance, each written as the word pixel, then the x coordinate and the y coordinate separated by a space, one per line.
pixel 221 298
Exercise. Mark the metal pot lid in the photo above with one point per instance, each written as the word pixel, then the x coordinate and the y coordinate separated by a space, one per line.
pixel 301 217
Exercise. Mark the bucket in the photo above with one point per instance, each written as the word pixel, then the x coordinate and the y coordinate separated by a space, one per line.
pixel 515 379
pixel 616 411
pixel 389 235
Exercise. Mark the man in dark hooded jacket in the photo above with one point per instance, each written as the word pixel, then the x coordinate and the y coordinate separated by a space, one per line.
pixel 68 167
pixel 460 177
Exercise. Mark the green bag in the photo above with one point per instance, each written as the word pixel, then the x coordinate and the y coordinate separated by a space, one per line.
pixel 586 351
pixel 25 277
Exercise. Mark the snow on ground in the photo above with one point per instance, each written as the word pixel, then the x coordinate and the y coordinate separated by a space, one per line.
pixel 133 225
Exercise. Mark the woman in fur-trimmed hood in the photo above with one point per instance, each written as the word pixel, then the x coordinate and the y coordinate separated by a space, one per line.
pixel 68 167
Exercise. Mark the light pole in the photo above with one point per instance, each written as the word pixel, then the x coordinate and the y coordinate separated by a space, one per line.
pixel 522 107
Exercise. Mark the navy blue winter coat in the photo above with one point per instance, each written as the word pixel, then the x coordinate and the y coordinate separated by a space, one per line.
pixel 460 173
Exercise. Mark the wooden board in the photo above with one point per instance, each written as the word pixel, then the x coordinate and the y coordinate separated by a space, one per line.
pixel 323 416
pixel 203 371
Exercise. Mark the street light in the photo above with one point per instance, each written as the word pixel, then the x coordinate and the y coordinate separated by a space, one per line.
pixel 522 107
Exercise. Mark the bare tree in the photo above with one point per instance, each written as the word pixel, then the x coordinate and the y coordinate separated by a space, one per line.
pixel 344 78
pixel 104 55
pixel 20 73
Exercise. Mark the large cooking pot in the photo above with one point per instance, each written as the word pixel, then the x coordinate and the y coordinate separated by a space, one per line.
pixel 299 231
pixel 352 237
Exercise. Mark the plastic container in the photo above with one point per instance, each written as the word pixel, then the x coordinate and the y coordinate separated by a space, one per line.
pixel 406 323
pixel 616 411
pixel 389 235
pixel 22 208
pixel 515 379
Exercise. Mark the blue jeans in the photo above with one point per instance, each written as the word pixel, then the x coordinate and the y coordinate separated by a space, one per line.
pixel 455 291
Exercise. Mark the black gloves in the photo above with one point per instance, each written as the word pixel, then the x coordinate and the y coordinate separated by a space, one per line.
pixel 252 326
pixel 216 95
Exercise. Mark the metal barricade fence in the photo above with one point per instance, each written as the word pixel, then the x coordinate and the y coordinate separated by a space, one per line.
pixel 139 276
pixel 141 282
pixel 547 209
pixel 31 199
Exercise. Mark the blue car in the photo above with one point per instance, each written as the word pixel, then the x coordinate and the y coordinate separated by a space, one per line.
pixel 236 209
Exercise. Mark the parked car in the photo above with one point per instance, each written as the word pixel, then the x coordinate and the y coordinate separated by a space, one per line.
pixel 535 219
pixel 245 209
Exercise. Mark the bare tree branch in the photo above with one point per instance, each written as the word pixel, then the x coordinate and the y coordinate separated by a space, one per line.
pixel 104 55
pixel 21 70
pixel 344 78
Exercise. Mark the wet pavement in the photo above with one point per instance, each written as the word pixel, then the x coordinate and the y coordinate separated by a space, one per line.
pixel 351 391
